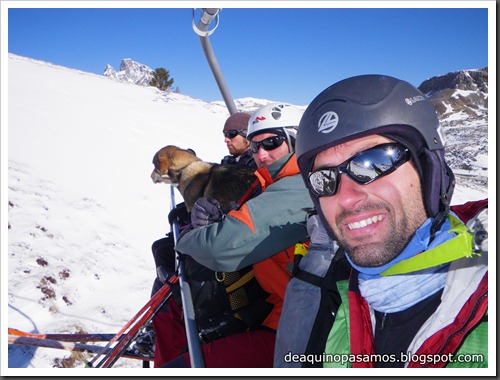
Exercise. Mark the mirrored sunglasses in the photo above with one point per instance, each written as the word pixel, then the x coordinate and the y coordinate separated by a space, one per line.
pixel 363 168
pixel 269 143
pixel 233 133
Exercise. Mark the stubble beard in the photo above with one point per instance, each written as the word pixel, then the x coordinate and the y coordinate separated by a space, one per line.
pixel 365 253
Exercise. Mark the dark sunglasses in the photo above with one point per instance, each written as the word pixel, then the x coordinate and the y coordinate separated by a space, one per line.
pixel 363 168
pixel 269 143
pixel 233 133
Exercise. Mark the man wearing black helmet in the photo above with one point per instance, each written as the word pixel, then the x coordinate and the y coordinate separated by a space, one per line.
pixel 370 151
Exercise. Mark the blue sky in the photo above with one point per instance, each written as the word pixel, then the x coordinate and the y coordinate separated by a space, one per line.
pixel 285 54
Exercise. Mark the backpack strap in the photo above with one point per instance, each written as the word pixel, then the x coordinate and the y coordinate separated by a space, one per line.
pixel 310 278
pixel 339 269
pixel 240 282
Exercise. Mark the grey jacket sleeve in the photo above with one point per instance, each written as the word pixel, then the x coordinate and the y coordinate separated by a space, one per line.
pixel 264 226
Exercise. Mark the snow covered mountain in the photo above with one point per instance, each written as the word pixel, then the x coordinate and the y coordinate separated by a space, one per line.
pixel 130 71
pixel 461 94
pixel 250 104
pixel 461 101
pixel 83 211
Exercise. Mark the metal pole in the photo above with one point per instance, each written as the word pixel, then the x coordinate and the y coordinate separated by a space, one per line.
pixel 193 341
pixel 208 15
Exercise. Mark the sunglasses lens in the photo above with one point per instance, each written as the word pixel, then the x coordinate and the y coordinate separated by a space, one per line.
pixel 231 134
pixel 372 163
pixel 267 144
pixel 363 168
pixel 323 182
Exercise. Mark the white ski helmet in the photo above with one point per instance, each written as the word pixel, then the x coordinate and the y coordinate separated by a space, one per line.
pixel 280 118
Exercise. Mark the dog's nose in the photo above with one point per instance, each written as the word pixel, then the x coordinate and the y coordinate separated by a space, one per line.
pixel 154 176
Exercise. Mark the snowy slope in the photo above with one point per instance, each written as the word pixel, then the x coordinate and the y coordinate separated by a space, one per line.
pixel 80 196
pixel 82 209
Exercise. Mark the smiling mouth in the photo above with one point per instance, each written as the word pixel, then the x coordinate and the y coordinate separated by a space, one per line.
pixel 365 222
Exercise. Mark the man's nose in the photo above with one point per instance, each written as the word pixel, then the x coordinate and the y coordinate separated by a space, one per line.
pixel 349 192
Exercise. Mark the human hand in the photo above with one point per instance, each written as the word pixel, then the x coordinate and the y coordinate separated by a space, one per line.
pixel 206 211
pixel 179 214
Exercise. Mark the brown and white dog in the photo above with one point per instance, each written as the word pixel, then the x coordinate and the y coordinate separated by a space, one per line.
pixel 195 178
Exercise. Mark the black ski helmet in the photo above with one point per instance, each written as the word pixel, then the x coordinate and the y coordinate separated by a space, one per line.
pixel 377 104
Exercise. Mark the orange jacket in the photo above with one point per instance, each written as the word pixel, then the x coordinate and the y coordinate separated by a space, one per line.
pixel 273 273
pixel 262 232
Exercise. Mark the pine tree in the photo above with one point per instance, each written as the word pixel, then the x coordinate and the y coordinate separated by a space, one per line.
pixel 161 79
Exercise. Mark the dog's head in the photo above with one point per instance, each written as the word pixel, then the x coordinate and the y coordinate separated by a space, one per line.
pixel 169 162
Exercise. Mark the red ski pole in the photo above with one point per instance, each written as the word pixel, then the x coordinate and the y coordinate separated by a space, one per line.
pixel 153 301
pixel 117 351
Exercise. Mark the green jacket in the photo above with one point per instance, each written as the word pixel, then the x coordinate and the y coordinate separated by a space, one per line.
pixel 458 326
pixel 458 329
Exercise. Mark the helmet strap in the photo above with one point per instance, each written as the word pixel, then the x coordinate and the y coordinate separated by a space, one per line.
pixel 289 142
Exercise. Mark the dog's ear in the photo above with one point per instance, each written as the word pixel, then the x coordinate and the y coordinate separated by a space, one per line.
pixel 192 151
pixel 162 159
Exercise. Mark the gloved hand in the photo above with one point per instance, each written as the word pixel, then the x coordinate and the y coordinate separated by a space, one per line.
pixel 478 226
pixel 179 214
pixel 206 211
